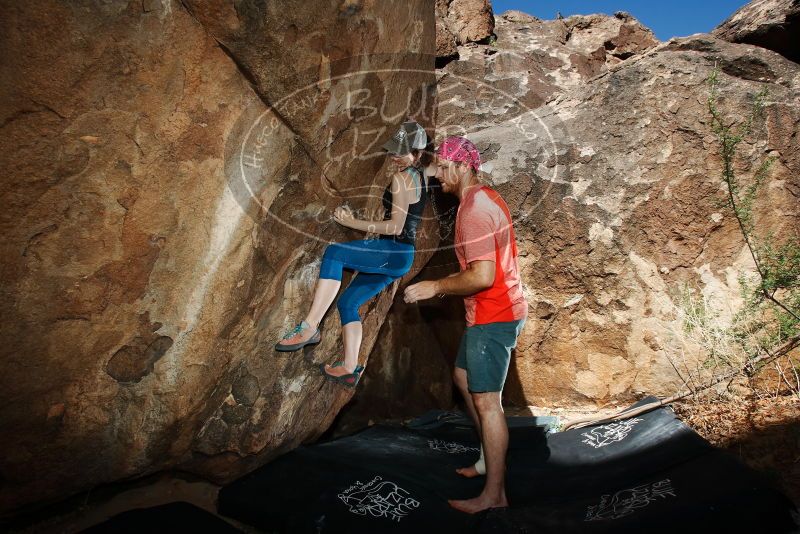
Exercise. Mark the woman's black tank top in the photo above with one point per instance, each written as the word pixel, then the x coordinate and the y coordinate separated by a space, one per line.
pixel 414 215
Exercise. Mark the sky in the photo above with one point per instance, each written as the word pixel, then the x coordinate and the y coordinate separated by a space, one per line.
pixel 667 18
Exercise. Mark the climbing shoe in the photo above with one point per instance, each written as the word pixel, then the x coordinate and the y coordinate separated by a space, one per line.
pixel 292 341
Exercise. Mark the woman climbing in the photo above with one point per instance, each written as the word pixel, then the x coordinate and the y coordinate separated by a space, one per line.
pixel 378 261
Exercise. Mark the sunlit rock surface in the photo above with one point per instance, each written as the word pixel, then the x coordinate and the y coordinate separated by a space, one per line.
pixel 600 142
pixel 772 24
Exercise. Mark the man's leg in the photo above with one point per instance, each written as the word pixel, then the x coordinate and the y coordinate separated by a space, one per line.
pixel 495 445
pixel 488 356
pixel 460 379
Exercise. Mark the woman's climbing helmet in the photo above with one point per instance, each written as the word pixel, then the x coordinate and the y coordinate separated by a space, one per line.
pixel 410 136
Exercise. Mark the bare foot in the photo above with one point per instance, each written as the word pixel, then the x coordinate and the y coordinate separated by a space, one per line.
pixel 468 472
pixel 478 504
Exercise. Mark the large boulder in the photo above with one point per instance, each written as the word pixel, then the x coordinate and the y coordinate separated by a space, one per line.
pixel 600 141
pixel 772 24
pixel 170 170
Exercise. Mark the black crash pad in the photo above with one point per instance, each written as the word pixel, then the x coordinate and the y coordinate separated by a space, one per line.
pixel 172 517
pixel 650 473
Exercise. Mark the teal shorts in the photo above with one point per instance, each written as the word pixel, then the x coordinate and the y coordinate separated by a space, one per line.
pixel 485 353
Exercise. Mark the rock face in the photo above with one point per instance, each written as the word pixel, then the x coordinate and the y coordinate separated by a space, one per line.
pixel 460 22
pixel 772 24
pixel 170 169
pixel 600 143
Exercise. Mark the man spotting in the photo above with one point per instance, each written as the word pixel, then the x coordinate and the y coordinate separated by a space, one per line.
pixel 495 309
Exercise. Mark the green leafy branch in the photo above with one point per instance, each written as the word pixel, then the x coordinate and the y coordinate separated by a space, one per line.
pixel 772 301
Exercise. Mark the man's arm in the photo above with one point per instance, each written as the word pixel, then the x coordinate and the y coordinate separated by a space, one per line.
pixel 476 277
pixel 478 239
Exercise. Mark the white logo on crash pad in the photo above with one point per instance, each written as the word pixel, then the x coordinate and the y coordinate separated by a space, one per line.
pixel 625 502
pixel 450 447
pixel 611 433
pixel 379 498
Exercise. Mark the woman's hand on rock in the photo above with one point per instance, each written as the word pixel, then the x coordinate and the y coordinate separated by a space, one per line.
pixel 343 215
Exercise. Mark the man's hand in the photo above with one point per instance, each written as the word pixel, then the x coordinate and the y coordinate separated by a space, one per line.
pixel 478 276
pixel 420 291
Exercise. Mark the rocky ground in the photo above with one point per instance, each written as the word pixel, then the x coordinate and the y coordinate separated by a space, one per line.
pixel 762 432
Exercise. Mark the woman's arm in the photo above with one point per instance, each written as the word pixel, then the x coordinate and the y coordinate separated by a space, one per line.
pixel 394 226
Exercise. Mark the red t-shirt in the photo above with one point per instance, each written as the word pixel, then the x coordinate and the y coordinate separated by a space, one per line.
pixel 484 231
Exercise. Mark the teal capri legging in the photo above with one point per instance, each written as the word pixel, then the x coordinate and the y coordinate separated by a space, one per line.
pixel 378 261
pixel 485 353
